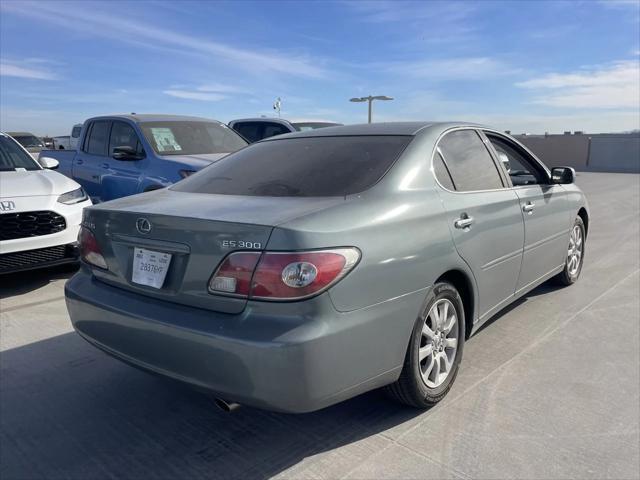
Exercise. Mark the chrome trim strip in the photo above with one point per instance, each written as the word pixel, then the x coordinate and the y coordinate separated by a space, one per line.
pixel 545 240
pixel 502 259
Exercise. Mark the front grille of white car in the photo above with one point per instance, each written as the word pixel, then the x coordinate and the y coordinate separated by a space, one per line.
pixel 15 261
pixel 30 224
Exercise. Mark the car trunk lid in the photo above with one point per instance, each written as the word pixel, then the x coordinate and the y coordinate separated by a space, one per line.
pixel 197 230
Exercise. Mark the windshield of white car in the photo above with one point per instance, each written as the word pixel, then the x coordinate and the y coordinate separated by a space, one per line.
pixel 28 141
pixel 191 138
pixel 300 167
pixel 303 126
pixel 13 157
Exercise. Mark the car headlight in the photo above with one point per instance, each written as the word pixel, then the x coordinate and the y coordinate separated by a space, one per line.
pixel 74 196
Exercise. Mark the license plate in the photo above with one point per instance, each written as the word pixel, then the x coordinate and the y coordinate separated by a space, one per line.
pixel 149 267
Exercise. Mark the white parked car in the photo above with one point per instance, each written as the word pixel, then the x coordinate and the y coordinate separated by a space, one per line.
pixel 40 211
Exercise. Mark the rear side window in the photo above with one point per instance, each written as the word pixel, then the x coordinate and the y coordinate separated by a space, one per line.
pixel 469 162
pixel 75 133
pixel 442 173
pixel 300 167
pixel 98 138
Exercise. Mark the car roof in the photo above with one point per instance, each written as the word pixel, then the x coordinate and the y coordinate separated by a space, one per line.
pixel 154 117
pixel 260 119
pixel 280 120
pixel 13 134
pixel 387 128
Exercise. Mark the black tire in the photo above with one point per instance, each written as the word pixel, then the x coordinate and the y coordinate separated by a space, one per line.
pixel 566 278
pixel 410 388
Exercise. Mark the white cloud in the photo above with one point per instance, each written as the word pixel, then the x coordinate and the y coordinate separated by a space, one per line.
pixel 615 85
pixel 221 88
pixel 195 95
pixel 448 22
pixel 92 22
pixel 452 68
pixel 25 71
pixel 385 11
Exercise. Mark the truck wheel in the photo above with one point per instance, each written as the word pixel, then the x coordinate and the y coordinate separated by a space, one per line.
pixel 435 350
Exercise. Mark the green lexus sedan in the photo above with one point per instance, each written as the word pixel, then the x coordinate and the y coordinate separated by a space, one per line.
pixel 311 267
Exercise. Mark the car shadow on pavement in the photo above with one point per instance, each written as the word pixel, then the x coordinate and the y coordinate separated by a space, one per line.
pixel 68 410
pixel 13 284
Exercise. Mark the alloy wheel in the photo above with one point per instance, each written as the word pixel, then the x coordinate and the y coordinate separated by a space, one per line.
pixel 438 343
pixel 574 254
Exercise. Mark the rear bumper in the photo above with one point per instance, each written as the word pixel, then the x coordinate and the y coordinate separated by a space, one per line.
pixel 292 357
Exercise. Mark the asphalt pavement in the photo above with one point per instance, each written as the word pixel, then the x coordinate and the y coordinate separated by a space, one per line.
pixel 550 388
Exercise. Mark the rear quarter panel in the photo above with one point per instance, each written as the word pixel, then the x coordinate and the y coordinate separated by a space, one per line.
pixel 399 225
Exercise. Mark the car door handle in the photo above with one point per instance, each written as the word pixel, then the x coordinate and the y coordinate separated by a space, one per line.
pixel 105 165
pixel 528 208
pixel 79 161
pixel 463 222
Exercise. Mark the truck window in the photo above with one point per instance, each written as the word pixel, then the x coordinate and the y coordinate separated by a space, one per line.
pixel 123 135
pixel 252 131
pixel 191 137
pixel 273 129
pixel 97 141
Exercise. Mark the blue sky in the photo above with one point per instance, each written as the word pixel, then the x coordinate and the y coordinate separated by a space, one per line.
pixel 525 66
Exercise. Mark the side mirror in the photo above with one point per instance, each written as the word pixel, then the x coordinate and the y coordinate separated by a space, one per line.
pixel 49 163
pixel 563 175
pixel 125 152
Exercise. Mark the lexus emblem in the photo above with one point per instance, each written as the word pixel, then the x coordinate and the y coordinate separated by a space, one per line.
pixel 143 225
pixel 7 206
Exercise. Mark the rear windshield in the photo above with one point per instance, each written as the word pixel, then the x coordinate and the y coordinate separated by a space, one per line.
pixel 12 156
pixel 300 167
pixel 28 141
pixel 191 138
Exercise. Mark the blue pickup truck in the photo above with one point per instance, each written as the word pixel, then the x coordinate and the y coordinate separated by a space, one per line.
pixel 121 155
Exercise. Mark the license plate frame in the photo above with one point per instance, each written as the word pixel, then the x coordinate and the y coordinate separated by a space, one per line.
pixel 149 267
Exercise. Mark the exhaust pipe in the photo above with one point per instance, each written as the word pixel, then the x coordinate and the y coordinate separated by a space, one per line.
pixel 225 406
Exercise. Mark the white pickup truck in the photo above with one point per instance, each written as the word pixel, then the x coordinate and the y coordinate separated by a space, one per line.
pixel 68 142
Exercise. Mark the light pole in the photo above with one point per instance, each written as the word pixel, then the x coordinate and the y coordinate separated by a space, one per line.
pixel 370 99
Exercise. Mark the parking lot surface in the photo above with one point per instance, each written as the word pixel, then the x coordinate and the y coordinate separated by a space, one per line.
pixel 548 389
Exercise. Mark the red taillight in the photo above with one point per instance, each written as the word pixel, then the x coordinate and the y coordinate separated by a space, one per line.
pixel 233 277
pixel 89 249
pixel 282 275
